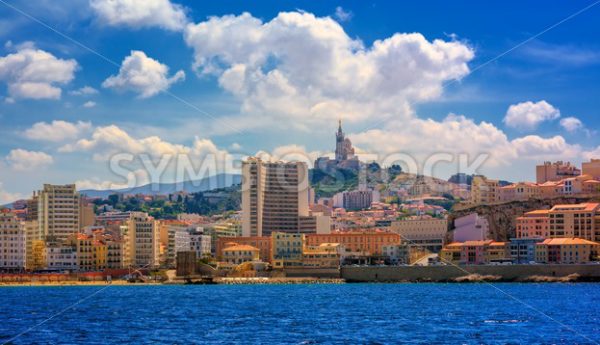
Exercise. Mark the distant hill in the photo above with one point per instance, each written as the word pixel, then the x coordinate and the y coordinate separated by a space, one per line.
pixel 207 183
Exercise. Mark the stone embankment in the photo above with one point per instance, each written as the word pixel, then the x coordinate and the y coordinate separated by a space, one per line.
pixel 506 273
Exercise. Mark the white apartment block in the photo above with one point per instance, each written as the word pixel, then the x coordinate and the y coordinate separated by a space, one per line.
pixel 12 242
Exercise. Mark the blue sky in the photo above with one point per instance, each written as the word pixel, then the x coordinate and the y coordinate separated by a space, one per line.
pixel 277 78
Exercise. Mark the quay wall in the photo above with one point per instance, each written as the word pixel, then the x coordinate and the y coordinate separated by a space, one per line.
pixel 589 272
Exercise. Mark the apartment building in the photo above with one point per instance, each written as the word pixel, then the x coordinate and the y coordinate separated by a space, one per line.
pixel 475 252
pixel 286 249
pixel 58 211
pixel 358 243
pixel 424 231
pixel 568 220
pixel 549 171
pixel 484 190
pixel 533 224
pixel 12 242
pixel 274 196
pixel 566 251
pixel 263 243
pixel 144 240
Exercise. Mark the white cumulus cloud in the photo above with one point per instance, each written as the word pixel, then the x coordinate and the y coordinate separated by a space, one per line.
pixel 35 74
pixel 142 75
pixel 7 197
pixel 528 115
pixel 89 104
pixel 84 91
pixel 24 160
pixel 307 69
pixel 57 130
pixel 343 15
pixel 571 124
pixel 140 13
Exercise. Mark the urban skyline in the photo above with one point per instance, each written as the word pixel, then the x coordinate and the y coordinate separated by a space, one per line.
pixel 534 103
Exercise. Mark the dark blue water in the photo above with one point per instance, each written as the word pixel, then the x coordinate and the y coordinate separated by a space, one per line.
pixel 304 314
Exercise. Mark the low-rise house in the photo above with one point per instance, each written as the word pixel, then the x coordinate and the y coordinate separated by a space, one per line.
pixel 522 250
pixel 325 255
pixel 239 253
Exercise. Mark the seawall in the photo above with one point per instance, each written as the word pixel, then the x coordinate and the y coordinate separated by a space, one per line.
pixel 452 273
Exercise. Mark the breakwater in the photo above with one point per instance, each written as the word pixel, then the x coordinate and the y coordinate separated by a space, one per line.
pixel 589 272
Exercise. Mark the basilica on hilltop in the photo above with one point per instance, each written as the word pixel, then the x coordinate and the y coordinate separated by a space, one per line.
pixel 344 154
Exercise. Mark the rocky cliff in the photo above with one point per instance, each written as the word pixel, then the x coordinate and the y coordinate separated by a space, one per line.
pixel 501 216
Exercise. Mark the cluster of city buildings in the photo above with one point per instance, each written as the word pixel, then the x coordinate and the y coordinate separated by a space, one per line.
pixel 564 233
pixel 553 179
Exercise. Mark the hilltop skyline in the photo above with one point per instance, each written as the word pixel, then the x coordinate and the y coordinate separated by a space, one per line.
pixel 90 79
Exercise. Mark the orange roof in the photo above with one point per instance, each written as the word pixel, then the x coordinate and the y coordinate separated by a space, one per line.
pixel 241 247
pixel 477 243
pixel 536 212
pixel 590 206
pixel 566 240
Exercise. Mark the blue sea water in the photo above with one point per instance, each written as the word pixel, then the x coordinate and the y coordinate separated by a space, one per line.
pixel 303 314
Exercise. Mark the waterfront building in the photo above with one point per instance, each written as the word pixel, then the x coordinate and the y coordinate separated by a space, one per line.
pixel 325 255
pixel 476 252
pixel 424 231
pixel 200 243
pixel 38 256
pixel 286 249
pixel 565 220
pixel 236 254
pixel 61 257
pixel 274 196
pixel 484 190
pixel 175 237
pixel 357 243
pixel 32 234
pixel 451 253
pixel 116 253
pixel 91 253
pixel 398 254
pixel 12 242
pixel 484 252
pixel 471 227
pixel 522 250
pixel 58 211
pixel 578 220
pixel 556 171
pixel 533 224
pixel 566 251
pixel 263 243
pixel 144 237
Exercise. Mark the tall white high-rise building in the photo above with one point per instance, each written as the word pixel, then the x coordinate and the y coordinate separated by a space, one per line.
pixel 144 240
pixel 58 211
pixel 12 242
pixel 274 196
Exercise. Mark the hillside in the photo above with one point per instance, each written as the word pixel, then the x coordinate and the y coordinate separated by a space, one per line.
pixel 205 184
